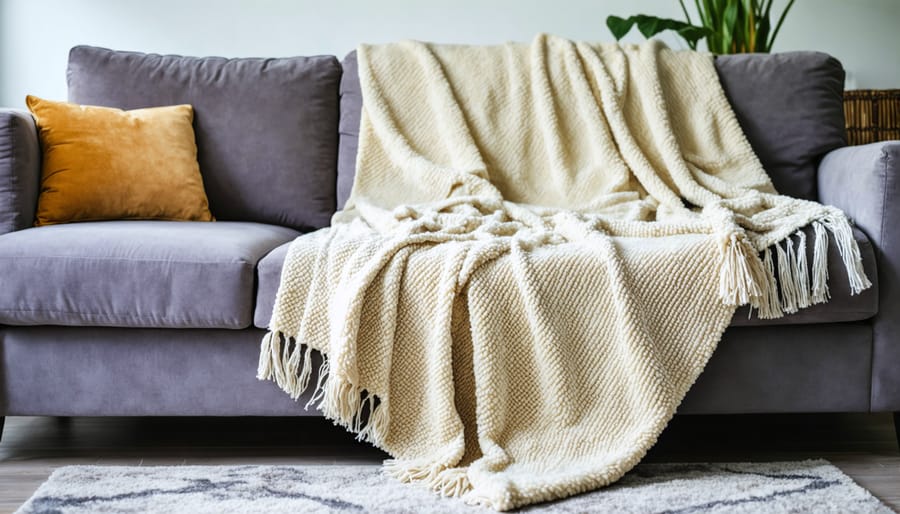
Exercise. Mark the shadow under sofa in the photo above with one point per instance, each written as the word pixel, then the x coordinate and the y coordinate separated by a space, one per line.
pixel 154 318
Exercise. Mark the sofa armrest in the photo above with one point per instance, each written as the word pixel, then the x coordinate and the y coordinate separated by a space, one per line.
pixel 864 181
pixel 20 170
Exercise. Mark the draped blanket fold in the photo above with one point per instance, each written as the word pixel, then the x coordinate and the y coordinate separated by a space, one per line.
pixel 542 249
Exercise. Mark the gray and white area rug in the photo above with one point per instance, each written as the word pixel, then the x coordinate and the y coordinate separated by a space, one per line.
pixel 809 486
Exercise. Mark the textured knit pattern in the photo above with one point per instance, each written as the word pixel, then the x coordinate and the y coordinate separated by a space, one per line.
pixel 543 246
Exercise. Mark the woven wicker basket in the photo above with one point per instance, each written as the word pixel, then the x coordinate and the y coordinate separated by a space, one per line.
pixel 872 115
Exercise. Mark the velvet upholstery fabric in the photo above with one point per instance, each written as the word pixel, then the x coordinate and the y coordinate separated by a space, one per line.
pixel 841 308
pixel 351 111
pixel 268 278
pixel 88 371
pixel 266 128
pixel 351 114
pixel 800 368
pixel 790 106
pixel 864 181
pixel 134 273
pixel 20 170
pixel 101 163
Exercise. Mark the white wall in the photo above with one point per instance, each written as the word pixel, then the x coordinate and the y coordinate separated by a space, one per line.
pixel 35 35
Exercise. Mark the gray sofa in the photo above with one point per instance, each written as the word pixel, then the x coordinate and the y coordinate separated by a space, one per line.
pixel 146 318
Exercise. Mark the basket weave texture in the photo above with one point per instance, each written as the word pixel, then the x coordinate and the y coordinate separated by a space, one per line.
pixel 872 115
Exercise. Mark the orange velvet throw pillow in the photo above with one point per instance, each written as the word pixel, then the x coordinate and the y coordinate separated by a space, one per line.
pixel 104 164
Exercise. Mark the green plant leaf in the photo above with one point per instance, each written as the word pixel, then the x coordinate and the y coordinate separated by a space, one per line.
pixel 766 10
pixel 692 34
pixel 762 35
pixel 750 25
pixel 650 26
pixel 771 40
pixel 619 26
pixel 702 13
pixel 729 21
pixel 685 11
pixel 712 21
pixel 729 26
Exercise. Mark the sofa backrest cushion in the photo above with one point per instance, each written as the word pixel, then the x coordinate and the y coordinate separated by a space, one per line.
pixel 266 129
pixel 790 106
pixel 20 170
pixel 351 110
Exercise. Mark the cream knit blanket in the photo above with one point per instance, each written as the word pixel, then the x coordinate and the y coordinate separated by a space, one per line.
pixel 543 246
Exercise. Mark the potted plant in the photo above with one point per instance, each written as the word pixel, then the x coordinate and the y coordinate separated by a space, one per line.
pixel 729 26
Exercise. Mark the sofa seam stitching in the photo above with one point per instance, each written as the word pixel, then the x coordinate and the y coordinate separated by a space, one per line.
pixel 54 311
pixel 112 317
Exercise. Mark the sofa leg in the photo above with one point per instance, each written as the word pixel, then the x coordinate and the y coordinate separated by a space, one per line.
pixel 2 421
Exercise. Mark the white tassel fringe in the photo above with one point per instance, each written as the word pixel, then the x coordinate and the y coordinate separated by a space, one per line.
pixel 289 364
pixel 437 476
pixel 794 284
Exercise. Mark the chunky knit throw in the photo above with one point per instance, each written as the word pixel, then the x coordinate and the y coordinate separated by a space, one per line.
pixel 542 249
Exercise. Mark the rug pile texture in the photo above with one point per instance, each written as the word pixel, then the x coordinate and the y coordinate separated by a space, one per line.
pixel 542 248
pixel 812 486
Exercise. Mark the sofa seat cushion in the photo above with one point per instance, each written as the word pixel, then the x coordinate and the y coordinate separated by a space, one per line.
pixel 841 308
pixel 155 274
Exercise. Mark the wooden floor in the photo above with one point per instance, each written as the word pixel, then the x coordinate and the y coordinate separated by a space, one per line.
pixel 863 446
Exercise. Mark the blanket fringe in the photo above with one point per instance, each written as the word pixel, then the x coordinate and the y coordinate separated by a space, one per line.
pixel 742 272
pixel 319 392
pixel 840 227
pixel 286 362
pixel 769 306
pixel 820 293
pixel 437 476
pixel 377 423
pixel 793 284
pixel 265 369
pixel 801 273
pixel 289 365
pixel 355 409
pixel 787 278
